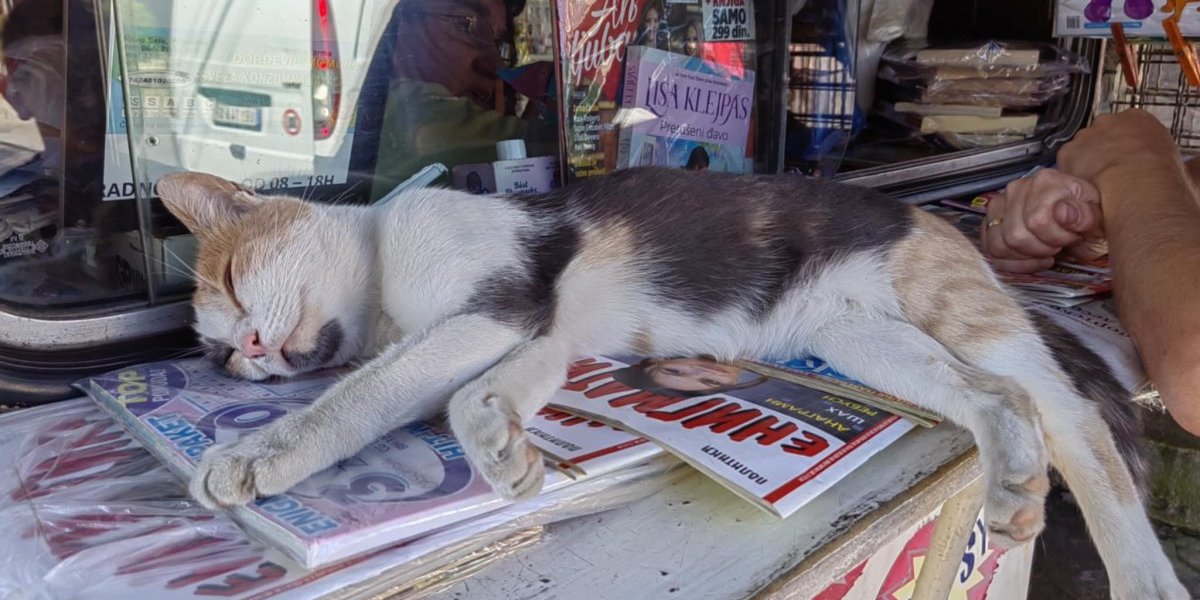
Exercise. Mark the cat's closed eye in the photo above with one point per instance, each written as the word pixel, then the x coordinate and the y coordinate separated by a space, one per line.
pixel 229 286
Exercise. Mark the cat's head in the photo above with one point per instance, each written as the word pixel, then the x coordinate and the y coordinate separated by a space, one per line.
pixel 282 285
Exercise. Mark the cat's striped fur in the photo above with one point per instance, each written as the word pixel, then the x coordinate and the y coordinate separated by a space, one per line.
pixel 476 305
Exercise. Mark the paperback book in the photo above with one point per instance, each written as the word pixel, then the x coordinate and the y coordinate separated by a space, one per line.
pixel 815 373
pixel 409 482
pixel 775 444
pixel 679 111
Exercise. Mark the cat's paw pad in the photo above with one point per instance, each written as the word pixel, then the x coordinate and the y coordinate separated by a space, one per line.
pixel 497 446
pixel 237 474
pixel 1016 509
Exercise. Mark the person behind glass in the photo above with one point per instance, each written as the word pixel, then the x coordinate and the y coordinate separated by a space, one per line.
pixel 1121 187
pixel 695 376
pixel 652 30
pixel 697 160
pixel 443 104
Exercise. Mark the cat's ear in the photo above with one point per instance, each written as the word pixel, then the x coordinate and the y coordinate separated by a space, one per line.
pixel 205 202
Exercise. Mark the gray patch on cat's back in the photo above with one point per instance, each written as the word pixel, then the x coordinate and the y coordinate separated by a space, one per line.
pixel 329 340
pixel 721 241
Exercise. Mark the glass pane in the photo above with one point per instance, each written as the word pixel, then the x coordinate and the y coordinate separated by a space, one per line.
pixel 328 100
pixel 343 101
pixel 65 241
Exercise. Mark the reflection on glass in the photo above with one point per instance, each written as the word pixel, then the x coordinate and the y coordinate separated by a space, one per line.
pixel 328 99
pixel 61 244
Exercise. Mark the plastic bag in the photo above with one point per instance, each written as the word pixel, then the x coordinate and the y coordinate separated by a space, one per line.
pixel 992 73
pixel 85 512
pixel 918 61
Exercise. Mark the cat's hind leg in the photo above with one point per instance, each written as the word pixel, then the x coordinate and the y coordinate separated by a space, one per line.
pixel 1074 392
pixel 944 287
pixel 898 358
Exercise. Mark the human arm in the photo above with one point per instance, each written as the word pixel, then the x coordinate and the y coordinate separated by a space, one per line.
pixel 1151 214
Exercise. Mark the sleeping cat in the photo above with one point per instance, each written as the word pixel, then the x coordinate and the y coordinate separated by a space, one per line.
pixel 476 306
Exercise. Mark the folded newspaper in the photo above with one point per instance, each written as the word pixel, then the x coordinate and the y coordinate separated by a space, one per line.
pixel 776 444
pixel 586 447
pixel 411 481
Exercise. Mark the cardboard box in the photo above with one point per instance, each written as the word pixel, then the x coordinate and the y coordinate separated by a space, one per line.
pixel 1140 18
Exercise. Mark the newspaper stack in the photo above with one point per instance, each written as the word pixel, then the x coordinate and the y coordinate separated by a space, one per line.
pixel 413 480
pixel 86 512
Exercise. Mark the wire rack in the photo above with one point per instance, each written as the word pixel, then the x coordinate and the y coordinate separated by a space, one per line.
pixel 1161 90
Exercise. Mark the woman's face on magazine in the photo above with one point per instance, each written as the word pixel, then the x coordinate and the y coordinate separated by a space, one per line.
pixel 692 374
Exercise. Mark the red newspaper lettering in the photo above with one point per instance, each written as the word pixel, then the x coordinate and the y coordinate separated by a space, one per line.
pixel 209 571
pixel 177 555
pixel 686 411
pixel 42 482
pixel 579 369
pixel 74 534
pixel 811 446
pixel 608 389
pixel 644 402
pixel 723 419
pixel 237 583
pixel 765 430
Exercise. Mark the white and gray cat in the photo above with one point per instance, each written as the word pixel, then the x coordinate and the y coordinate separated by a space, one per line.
pixel 476 306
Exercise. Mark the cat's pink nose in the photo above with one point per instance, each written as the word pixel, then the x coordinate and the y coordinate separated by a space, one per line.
pixel 252 347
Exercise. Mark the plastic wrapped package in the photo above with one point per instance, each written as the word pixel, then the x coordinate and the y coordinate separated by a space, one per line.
pixel 991 73
pixel 85 512
pixel 973 95
pixel 918 60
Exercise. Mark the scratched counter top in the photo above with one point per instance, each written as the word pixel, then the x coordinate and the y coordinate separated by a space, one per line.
pixel 697 540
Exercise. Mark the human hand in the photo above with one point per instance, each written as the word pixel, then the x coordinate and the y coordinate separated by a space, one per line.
pixel 1037 217
pixel 1128 138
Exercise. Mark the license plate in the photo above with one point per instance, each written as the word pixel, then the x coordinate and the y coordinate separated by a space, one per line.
pixel 240 117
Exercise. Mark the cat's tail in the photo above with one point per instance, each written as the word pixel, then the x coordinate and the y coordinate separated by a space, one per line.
pixel 1093 379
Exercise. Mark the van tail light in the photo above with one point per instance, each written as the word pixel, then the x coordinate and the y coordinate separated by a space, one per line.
pixel 326 71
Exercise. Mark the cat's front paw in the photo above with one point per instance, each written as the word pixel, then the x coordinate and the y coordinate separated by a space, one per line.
pixel 240 472
pixel 496 445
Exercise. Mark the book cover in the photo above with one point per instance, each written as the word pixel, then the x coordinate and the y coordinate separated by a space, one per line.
pixel 775 444
pixel 408 482
pixel 682 111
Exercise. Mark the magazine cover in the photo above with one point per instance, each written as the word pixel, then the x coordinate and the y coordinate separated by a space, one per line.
pixel 681 111
pixel 593 37
pixel 410 481
pixel 813 372
pixel 776 444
